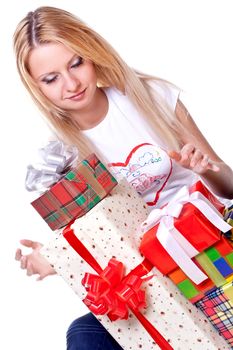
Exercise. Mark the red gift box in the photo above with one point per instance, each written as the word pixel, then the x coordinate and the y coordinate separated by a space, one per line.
pixel 194 227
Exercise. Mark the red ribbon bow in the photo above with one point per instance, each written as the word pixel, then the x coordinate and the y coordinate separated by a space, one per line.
pixel 111 293
pixel 104 295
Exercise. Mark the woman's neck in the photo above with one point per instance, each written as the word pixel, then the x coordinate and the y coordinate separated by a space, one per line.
pixel 94 113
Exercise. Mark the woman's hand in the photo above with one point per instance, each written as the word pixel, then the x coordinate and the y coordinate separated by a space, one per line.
pixel 34 262
pixel 194 159
pixel 198 156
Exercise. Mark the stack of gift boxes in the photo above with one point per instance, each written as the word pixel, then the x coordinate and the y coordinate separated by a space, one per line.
pixel 213 295
pixel 101 221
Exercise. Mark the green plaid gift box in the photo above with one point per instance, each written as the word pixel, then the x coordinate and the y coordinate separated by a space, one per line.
pixel 76 193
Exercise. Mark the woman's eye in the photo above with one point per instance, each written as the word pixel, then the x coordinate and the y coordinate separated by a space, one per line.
pixel 49 80
pixel 77 62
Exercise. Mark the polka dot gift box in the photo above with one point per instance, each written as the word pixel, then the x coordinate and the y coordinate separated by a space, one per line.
pixel 110 231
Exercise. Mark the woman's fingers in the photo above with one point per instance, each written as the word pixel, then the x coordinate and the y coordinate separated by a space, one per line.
pixel 30 244
pixel 196 158
pixel 32 262
pixel 18 254
pixel 205 161
pixel 23 262
pixel 30 270
pixel 183 157
pixel 213 166
pixel 192 158
pixel 187 150
pixel 40 277
pixel 174 155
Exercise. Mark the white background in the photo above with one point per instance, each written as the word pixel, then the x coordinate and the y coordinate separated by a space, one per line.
pixel 188 42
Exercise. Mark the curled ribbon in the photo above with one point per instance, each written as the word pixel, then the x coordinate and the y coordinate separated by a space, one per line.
pixel 176 245
pixel 57 160
pixel 111 293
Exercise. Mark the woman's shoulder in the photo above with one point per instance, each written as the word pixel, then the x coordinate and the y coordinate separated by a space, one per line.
pixel 166 90
pixel 162 90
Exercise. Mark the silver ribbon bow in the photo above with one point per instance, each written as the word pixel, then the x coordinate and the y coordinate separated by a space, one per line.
pixel 57 160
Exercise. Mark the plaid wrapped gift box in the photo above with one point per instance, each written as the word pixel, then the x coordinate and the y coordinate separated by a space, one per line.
pixel 218 307
pixel 213 254
pixel 76 193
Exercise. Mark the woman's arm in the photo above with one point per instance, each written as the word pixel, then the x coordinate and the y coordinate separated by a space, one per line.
pixel 199 156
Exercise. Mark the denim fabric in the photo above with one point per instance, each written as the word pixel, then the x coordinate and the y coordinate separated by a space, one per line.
pixel 87 333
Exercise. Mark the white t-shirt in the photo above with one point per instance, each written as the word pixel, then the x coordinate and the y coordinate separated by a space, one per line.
pixel 124 140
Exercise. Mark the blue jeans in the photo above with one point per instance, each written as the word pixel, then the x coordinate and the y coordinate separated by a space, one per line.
pixel 87 333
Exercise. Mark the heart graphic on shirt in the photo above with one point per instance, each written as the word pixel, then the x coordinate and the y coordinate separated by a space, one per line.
pixel 147 169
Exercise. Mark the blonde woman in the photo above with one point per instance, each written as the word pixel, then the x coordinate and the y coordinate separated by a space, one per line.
pixel 134 122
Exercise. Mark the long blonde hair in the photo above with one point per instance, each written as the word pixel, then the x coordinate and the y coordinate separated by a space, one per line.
pixel 49 24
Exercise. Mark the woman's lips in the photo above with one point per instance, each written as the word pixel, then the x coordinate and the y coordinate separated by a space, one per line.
pixel 78 96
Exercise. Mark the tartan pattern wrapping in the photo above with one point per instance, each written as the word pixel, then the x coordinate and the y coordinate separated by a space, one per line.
pixel 76 193
pixel 218 307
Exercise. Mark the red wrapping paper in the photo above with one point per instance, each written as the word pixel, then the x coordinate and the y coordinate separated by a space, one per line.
pixel 192 224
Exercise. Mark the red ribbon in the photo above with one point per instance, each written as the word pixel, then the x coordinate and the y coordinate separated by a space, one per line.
pixel 112 293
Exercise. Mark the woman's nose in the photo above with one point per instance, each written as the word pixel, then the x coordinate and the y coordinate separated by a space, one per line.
pixel 71 82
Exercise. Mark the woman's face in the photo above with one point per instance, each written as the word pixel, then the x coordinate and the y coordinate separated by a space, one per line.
pixel 64 78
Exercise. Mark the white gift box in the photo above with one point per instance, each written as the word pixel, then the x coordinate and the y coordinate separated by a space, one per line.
pixel 109 230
